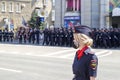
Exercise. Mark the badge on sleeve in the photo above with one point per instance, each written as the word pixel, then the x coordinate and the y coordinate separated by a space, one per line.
pixel 93 64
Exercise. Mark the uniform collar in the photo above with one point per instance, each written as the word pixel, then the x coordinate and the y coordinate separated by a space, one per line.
pixel 88 50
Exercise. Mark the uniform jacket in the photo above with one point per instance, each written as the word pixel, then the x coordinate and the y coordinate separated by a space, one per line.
pixel 86 66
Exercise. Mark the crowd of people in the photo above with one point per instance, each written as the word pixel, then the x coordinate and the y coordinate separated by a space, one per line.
pixel 106 38
pixel 6 36
pixel 103 38
pixel 50 37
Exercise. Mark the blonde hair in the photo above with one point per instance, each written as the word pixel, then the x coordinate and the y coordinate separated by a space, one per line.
pixel 86 40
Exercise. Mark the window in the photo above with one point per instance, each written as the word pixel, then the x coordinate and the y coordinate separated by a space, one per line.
pixel 77 5
pixel 3 7
pixel 53 2
pixel 73 5
pixel 11 7
pixel 53 15
pixel 69 5
pixel 18 8
pixel 46 2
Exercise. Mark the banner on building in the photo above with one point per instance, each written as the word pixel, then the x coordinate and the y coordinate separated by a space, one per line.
pixel 71 21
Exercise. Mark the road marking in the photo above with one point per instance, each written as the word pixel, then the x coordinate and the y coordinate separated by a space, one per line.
pixel 11 70
pixel 63 52
pixel 1 51
pixel 5 52
pixel 68 55
pixel 109 53
pixel 101 52
pixel 14 52
pixel 58 52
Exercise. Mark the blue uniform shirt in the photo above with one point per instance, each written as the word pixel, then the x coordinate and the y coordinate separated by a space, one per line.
pixel 86 66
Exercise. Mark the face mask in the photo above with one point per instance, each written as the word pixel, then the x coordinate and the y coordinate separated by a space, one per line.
pixel 75 44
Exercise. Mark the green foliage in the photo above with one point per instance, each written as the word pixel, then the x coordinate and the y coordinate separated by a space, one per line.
pixel 32 21
pixel 42 26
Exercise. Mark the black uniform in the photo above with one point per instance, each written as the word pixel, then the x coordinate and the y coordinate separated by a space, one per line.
pixel 0 36
pixel 20 37
pixel 86 66
pixel 33 36
pixel 37 36
pixel 11 36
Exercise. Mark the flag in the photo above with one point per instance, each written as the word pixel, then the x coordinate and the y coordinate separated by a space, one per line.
pixel 11 24
pixel 23 21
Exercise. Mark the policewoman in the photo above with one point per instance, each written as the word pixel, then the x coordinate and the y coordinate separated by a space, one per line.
pixel 85 61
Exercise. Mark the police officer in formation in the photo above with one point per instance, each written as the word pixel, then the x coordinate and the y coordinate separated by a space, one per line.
pixel 106 38
pixel 58 37
pixel 6 36
pixel 0 35
pixel 11 36
pixel 28 35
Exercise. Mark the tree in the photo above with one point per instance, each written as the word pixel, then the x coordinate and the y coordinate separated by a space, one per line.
pixel 36 21
pixel 33 20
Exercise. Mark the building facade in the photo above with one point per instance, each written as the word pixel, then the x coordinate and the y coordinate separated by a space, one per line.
pixel 16 13
pixel 81 12
pixel 13 12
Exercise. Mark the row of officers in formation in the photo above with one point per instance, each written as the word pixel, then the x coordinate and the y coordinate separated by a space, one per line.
pixel 103 38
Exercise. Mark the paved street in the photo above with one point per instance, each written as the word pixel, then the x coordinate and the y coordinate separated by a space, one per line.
pixel 32 62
